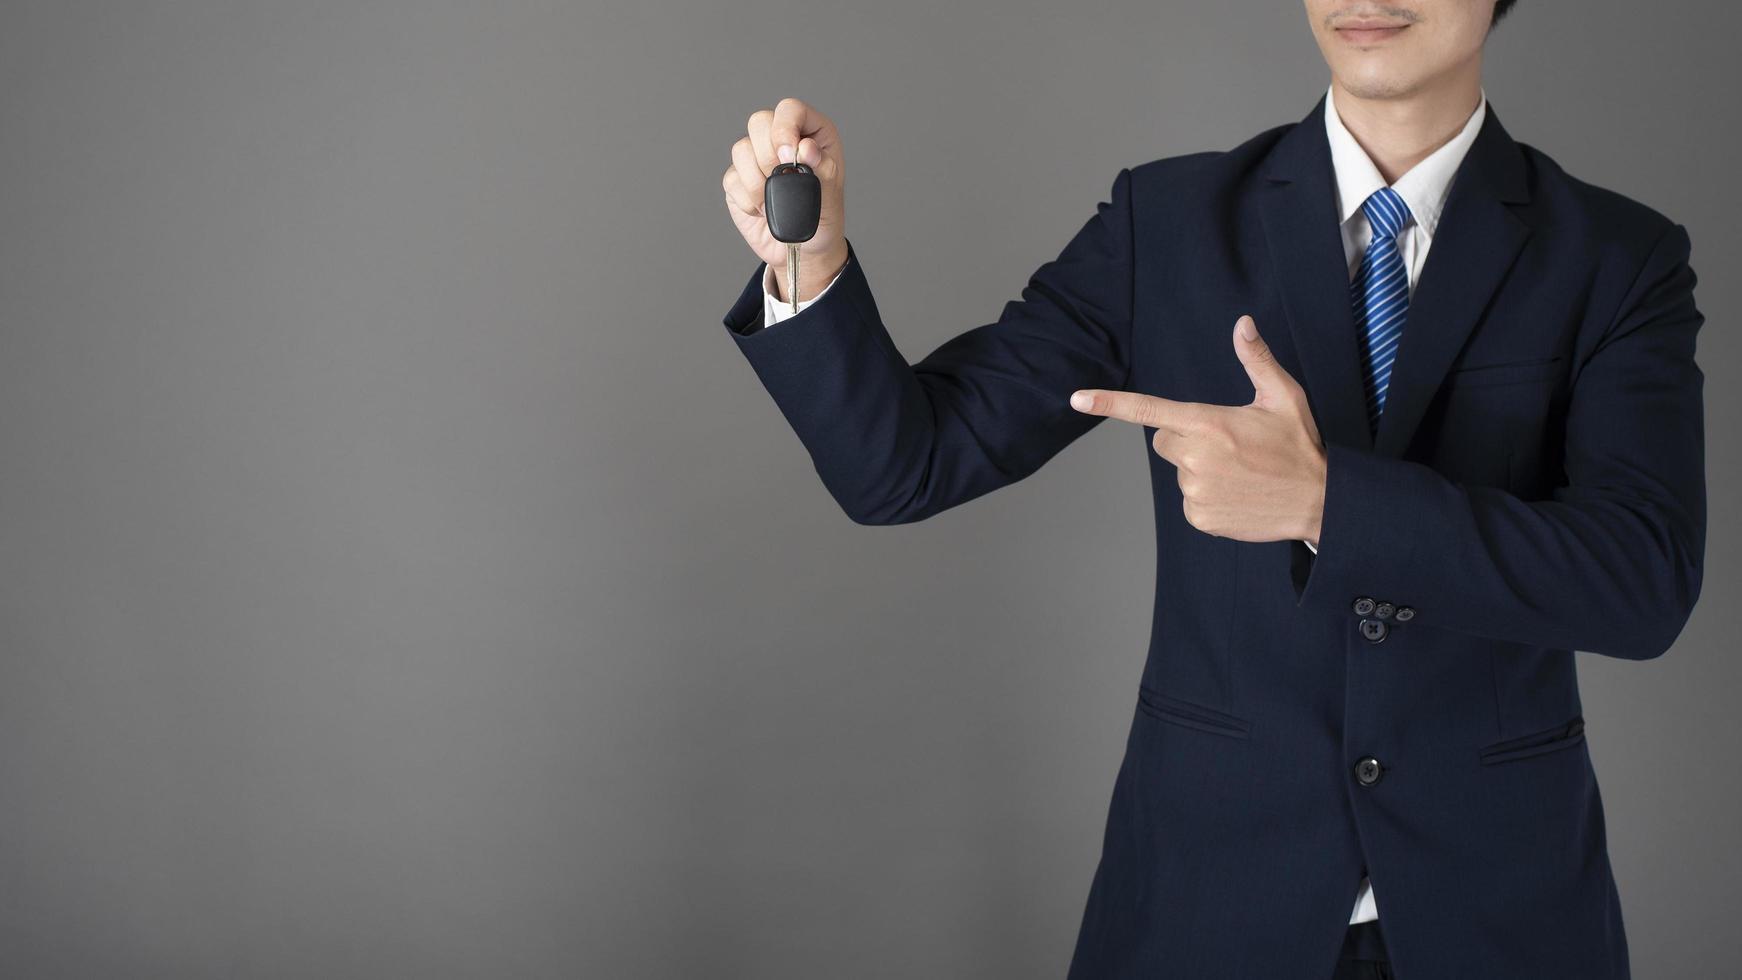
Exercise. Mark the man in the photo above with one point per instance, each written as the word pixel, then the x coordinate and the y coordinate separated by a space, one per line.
pixel 1465 374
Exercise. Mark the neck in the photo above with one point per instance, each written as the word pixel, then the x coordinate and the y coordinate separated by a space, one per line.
pixel 1399 133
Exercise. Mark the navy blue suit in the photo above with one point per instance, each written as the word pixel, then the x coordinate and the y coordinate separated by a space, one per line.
pixel 1536 487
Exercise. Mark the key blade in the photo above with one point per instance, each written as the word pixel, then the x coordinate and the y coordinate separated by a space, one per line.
pixel 792 200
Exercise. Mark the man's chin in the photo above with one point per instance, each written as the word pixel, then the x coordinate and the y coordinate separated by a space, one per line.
pixel 1376 85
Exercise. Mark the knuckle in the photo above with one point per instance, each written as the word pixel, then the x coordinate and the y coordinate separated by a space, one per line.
pixel 760 117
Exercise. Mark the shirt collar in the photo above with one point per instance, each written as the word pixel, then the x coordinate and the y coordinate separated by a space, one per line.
pixel 1423 187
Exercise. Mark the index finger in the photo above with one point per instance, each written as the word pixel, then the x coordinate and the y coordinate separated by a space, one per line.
pixel 1133 406
pixel 794 120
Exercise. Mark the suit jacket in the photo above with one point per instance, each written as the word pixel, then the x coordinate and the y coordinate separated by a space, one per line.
pixel 1536 487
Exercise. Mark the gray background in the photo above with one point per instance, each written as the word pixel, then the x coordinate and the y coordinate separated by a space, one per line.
pixel 401 573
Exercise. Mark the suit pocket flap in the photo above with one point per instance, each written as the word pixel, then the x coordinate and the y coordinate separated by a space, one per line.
pixel 1548 740
pixel 1190 714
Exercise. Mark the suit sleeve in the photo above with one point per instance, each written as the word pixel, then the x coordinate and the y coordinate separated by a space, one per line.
pixel 1610 564
pixel 895 442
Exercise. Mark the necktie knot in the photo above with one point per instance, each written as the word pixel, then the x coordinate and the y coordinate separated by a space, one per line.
pixel 1386 212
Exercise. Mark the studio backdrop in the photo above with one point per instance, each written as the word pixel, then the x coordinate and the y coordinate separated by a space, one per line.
pixel 402 574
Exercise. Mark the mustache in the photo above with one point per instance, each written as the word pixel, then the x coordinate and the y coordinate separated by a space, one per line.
pixel 1372 11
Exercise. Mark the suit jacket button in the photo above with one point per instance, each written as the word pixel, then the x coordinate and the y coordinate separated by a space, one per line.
pixel 1374 630
pixel 1405 614
pixel 1363 606
pixel 1368 770
pixel 1384 610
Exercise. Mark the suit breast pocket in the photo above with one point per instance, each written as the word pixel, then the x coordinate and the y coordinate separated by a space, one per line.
pixel 1487 411
pixel 1505 373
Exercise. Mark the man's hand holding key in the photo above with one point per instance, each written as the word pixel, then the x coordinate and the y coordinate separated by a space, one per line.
pixel 791 132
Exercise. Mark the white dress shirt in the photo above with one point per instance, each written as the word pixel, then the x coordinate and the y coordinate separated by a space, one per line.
pixel 1424 189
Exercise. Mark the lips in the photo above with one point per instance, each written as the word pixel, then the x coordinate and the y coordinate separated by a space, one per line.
pixel 1367 32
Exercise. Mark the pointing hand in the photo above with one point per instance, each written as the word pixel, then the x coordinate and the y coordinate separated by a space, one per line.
pixel 1253 472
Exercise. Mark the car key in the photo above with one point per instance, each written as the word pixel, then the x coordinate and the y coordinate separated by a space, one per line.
pixel 792 200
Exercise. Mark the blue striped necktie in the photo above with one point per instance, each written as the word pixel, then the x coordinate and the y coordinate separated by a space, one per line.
pixel 1380 295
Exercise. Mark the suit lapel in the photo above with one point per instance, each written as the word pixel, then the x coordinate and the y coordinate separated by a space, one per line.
pixel 1477 240
pixel 1299 209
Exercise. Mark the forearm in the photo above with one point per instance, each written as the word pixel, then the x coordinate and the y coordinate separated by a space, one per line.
pixel 850 397
pixel 896 443
pixel 1610 573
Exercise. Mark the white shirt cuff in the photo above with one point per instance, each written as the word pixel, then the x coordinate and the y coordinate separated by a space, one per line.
pixel 1309 545
pixel 774 311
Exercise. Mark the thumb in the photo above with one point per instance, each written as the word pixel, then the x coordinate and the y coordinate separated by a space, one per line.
pixel 1271 384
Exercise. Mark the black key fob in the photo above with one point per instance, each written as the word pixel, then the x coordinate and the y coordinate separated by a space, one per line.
pixel 792 200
